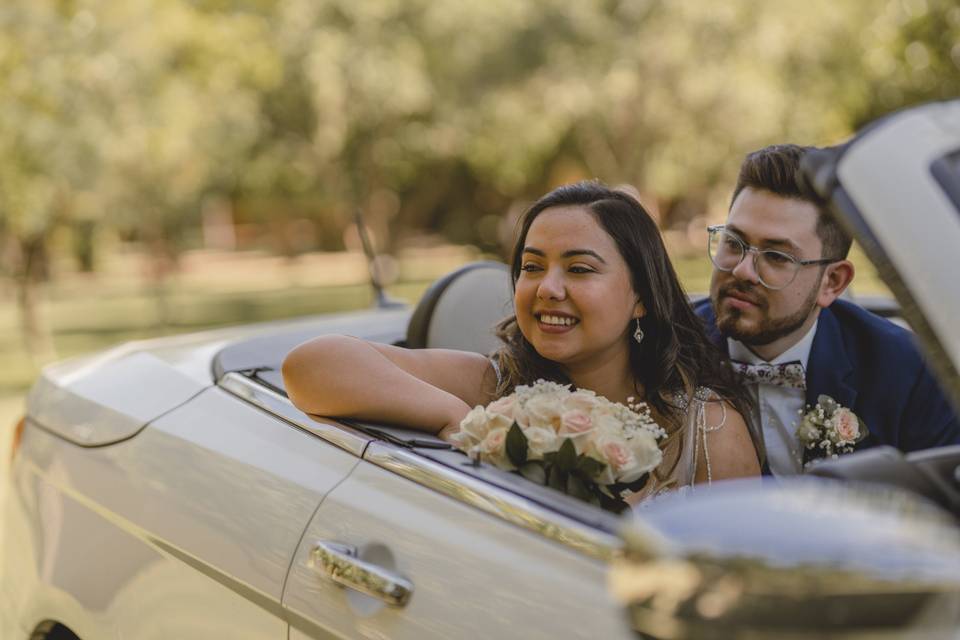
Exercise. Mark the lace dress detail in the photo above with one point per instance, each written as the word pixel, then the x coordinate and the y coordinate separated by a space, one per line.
pixel 693 445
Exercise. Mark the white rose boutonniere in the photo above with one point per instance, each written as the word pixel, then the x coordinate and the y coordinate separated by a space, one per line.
pixel 827 430
pixel 574 441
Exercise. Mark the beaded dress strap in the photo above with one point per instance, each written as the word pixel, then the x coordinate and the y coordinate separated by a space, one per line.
pixel 496 370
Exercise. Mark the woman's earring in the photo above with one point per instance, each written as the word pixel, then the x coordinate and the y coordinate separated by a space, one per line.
pixel 638 333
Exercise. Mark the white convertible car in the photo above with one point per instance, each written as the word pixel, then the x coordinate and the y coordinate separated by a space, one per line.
pixel 169 489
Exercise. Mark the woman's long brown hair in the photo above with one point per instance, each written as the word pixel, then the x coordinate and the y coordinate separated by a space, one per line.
pixel 675 357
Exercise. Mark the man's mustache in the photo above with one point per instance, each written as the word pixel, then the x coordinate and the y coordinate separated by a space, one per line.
pixel 745 291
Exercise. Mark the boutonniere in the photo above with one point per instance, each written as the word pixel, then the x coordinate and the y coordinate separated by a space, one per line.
pixel 828 429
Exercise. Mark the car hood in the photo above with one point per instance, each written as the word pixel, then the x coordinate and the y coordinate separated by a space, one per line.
pixel 110 396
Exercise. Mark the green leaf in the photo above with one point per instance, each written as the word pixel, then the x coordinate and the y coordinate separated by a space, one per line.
pixel 590 467
pixel 557 479
pixel 534 472
pixel 567 456
pixel 516 446
pixel 577 488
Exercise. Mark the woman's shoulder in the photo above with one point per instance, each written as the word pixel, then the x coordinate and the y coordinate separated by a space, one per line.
pixel 695 397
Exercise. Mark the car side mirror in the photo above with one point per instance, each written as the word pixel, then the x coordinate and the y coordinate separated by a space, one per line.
pixel 807 557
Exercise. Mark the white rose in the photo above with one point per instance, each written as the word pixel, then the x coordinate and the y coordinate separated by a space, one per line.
pixel 544 411
pixel 645 450
pixel 473 429
pixel 540 441
pixel 606 422
pixel 580 400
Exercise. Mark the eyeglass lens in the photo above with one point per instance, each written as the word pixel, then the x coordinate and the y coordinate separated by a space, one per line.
pixel 774 268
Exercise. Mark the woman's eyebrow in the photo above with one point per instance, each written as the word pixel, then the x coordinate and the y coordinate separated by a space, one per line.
pixel 583 252
pixel 570 253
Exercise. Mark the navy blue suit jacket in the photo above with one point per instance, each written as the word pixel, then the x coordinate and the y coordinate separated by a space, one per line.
pixel 872 366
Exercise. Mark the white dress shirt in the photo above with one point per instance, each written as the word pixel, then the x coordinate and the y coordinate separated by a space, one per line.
pixel 777 409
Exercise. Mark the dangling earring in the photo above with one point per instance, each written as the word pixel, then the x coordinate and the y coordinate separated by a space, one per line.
pixel 638 333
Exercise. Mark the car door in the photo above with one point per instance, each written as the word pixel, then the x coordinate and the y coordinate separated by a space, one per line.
pixel 185 531
pixel 478 561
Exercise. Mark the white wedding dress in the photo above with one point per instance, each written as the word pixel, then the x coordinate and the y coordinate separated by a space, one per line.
pixel 684 451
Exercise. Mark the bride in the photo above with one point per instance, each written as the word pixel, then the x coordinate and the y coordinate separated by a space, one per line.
pixel 598 306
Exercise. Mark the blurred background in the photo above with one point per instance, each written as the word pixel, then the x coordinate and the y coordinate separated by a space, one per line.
pixel 169 165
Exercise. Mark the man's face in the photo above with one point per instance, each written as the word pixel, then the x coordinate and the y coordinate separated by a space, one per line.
pixel 748 311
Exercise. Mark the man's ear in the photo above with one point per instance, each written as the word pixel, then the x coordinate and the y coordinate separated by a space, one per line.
pixel 836 278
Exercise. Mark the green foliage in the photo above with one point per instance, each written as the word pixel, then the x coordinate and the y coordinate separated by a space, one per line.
pixel 427 114
pixel 516 445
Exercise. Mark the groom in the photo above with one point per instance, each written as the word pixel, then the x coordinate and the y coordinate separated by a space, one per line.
pixel 780 266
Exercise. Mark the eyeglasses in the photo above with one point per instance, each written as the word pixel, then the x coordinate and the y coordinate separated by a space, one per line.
pixel 775 269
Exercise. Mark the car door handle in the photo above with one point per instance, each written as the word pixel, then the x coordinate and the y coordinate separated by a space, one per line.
pixel 340 563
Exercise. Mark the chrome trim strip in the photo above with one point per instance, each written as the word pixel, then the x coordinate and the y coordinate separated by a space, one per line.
pixel 335 433
pixel 495 501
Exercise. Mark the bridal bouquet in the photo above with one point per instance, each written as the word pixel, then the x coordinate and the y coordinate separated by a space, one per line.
pixel 574 441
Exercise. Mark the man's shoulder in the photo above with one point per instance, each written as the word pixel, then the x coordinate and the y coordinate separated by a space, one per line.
pixel 702 307
pixel 870 331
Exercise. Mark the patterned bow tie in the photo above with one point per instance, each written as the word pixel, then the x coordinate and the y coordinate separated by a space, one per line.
pixel 788 374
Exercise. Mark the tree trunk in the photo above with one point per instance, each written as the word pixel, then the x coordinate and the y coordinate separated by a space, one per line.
pixel 31 271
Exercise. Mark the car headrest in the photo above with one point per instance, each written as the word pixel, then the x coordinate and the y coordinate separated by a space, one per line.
pixel 461 309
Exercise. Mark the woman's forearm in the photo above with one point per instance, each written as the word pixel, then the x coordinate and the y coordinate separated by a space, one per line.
pixel 340 376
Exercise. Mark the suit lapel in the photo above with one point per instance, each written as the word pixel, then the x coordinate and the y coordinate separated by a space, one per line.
pixel 829 369
pixel 710 325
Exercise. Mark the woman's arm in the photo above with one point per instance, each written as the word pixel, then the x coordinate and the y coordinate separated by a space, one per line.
pixel 426 389
pixel 728 445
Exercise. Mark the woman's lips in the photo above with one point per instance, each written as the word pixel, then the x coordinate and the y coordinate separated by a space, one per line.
pixel 548 327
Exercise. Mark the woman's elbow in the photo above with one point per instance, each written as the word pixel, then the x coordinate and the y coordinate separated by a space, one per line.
pixel 302 370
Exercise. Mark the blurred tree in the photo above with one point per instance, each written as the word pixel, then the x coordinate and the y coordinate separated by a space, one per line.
pixel 50 126
pixel 184 113
pixel 428 115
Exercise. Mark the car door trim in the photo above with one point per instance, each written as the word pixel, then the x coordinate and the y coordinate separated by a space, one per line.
pixel 494 500
pixel 334 432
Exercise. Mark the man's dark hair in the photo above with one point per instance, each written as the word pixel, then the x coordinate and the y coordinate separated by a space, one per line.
pixel 777 169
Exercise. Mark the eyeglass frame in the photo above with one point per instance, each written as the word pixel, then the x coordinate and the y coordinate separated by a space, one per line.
pixel 756 251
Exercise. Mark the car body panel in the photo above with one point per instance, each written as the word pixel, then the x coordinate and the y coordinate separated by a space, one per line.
pixel 200 513
pixel 109 404
pixel 473 575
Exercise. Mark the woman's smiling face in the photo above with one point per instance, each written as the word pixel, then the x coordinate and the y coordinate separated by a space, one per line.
pixel 574 299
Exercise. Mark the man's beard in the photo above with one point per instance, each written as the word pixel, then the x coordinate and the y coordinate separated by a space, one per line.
pixel 768 329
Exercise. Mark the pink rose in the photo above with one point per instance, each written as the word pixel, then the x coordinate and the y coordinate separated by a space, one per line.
pixel 617 453
pixel 493 448
pixel 847 426
pixel 575 423
pixel 504 406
